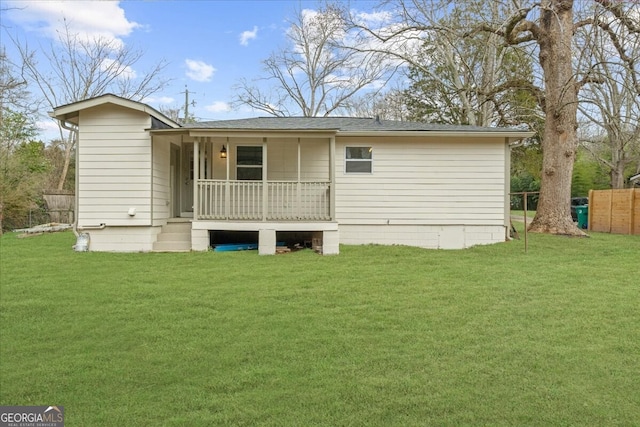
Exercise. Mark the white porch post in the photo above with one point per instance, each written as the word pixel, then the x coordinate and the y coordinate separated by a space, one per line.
pixel 196 176
pixel 265 186
pixel 332 177
pixel 227 190
pixel 299 186
pixel 209 159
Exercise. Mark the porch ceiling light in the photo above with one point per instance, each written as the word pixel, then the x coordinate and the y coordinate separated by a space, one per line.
pixel 223 152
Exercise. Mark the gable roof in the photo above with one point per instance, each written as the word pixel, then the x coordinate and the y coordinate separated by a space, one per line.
pixel 343 125
pixel 635 178
pixel 348 126
pixel 69 112
pixel 351 126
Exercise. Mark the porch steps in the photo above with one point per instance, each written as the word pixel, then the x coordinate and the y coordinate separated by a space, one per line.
pixel 174 237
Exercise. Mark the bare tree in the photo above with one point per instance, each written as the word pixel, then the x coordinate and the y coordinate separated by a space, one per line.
pixel 611 103
pixel 463 80
pixel 547 27
pixel 81 69
pixel 389 105
pixel 313 75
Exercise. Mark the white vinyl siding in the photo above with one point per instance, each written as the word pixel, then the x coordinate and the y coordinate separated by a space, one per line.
pixel 161 184
pixel 315 160
pixel 282 159
pixel 419 181
pixel 114 166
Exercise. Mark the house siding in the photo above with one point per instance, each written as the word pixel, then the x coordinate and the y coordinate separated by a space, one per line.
pixel 161 185
pixel 282 158
pixel 115 174
pixel 426 192
pixel 114 166
pixel 123 239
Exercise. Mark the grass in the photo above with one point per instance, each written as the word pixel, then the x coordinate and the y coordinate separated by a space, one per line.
pixel 520 214
pixel 377 336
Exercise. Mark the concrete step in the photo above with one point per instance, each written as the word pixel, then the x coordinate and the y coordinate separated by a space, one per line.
pixel 175 237
pixel 177 227
pixel 172 246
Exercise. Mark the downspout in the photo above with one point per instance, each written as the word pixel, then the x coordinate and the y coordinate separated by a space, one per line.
pixel 91 227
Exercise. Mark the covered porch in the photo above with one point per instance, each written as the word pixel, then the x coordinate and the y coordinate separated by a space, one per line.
pixel 265 182
pixel 274 178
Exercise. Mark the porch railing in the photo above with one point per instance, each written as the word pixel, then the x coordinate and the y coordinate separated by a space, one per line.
pixel 245 200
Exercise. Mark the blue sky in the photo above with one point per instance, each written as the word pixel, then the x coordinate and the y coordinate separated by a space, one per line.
pixel 209 44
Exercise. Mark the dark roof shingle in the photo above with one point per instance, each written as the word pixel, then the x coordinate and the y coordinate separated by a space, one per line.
pixel 345 124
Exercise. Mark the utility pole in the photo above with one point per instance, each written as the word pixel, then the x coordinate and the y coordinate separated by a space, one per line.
pixel 187 103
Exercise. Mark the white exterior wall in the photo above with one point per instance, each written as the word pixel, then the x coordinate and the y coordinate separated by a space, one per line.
pixel 445 193
pixel 123 239
pixel 282 158
pixel 115 175
pixel 423 236
pixel 315 159
pixel 161 195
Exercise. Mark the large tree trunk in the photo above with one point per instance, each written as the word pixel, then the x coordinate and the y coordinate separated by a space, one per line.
pixel 560 142
pixel 69 144
pixel 68 148
pixel 618 161
pixel 617 176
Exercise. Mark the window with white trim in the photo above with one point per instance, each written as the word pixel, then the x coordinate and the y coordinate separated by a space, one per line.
pixel 249 163
pixel 358 160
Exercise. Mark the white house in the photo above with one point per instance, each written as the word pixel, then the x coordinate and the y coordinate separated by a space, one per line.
pixel 147 183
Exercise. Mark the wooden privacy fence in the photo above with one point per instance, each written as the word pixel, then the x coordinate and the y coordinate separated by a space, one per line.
pixel 615 211
pixel 60 207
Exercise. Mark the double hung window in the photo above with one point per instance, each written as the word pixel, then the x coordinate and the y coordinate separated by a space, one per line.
pixel 249 163
pixel 358 160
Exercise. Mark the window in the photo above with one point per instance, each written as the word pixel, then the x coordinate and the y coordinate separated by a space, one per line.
pixel 358 160
pixel 249 163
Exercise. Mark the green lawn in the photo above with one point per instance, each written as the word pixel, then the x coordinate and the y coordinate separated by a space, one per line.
pixel 377 336
pixel 520 214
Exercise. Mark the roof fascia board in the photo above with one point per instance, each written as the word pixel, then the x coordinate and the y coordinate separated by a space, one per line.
pixel 508 136
pixel 71 110
pixel 448 134
pixel 250 133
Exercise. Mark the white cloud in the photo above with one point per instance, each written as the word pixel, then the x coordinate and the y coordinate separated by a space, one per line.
pixel 374 17
pixel 88 19
pixel 124 72
pixel 245 36
pixel 199 71
pixel 159 100
pixel 48 129
pixel 218 107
